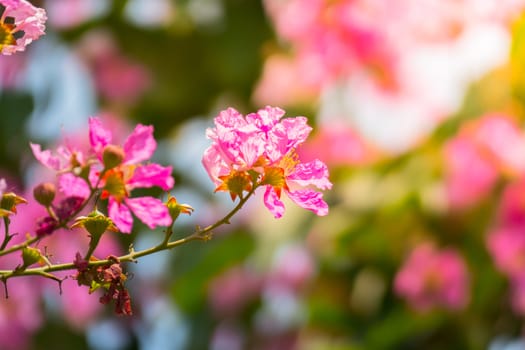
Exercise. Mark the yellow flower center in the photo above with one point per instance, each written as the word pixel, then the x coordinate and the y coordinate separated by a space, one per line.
pixel 6 34
pixel 115 182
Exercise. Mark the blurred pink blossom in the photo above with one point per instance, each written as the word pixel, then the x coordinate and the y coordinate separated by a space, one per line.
pixel 330 38
pixel 517 288
pixel 337 145
pixel 20 314
pixel 468 175
pixel 507 247
pixel 293 268
pixel 229 292
pixel 285 82
pixel 433 278
pixel 64 14
pixel 483 150
pixel 512 204
pixel 117 77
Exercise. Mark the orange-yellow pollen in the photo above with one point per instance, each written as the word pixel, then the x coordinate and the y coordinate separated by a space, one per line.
pixel 114 185
pixel 274 176
pixel 236 183
pixel 289 162
pixel 6 34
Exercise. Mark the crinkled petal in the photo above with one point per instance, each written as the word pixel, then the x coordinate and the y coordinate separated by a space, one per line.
pixel 121 215
pixel 45 157
pixel 213 163
pixel 99 137
pixel 152 175
pixel 229 118
pixel 150 211
pixel 140 145
pixel 273 203
pixel 265 118
pixel 73 186
pixel 311 173
pixel 311 200
pixel 286 136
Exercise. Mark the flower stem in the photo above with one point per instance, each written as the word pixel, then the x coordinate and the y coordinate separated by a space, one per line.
pixel 198 235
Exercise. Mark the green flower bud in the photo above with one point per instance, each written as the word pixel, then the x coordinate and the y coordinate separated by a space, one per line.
pixel 9 202
pixel 31 256
pixel 175 208
pixel 95 223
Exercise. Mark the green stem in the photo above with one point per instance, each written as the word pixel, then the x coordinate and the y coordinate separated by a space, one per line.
pixel 198 235
pixel 20 246
pixel 7 237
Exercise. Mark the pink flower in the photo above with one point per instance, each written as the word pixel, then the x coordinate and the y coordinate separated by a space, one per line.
pixel 232 290
pixel 512 204
pixel 264 146
pixel 67 158
pixel 65 14
pixel 517 288
pixel 293 268
pixel 507 247
pixel 338 145
pixel 117 182
pixel 432 278
pixel 469 175
pixel 483 150
pixel 20 24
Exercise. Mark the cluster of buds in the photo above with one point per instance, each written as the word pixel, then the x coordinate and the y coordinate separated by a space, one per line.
pixel 108 277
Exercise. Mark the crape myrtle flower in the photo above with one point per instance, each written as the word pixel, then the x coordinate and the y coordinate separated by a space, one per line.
pixel 116 171
pixel 431 278
pixel 123 172
pixel 260 149
pixel 20 24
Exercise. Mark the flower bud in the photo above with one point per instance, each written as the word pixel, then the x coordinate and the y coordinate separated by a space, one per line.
pixel 9 202
pixel 44 193
pixel 112 156
pixel 175 208
pixel 95 223
pixel 31 256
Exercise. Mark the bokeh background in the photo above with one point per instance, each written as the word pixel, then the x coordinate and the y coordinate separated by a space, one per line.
pixel 417 108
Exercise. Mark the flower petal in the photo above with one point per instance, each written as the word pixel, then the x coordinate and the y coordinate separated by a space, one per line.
pixel 150 211
pixel 99 137
pixel 311 173
pixel 73 186
pixel 273 203
pixel 140 145
pixel 152 175
pixel 121 215
pixel 45 157
pixel 311 200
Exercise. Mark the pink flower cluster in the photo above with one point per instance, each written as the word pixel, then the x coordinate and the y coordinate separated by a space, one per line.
pixel 116 171
pixel 260 149
pixel 20 24
pixel 433 278
pixel 506 241
pixel 483 150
